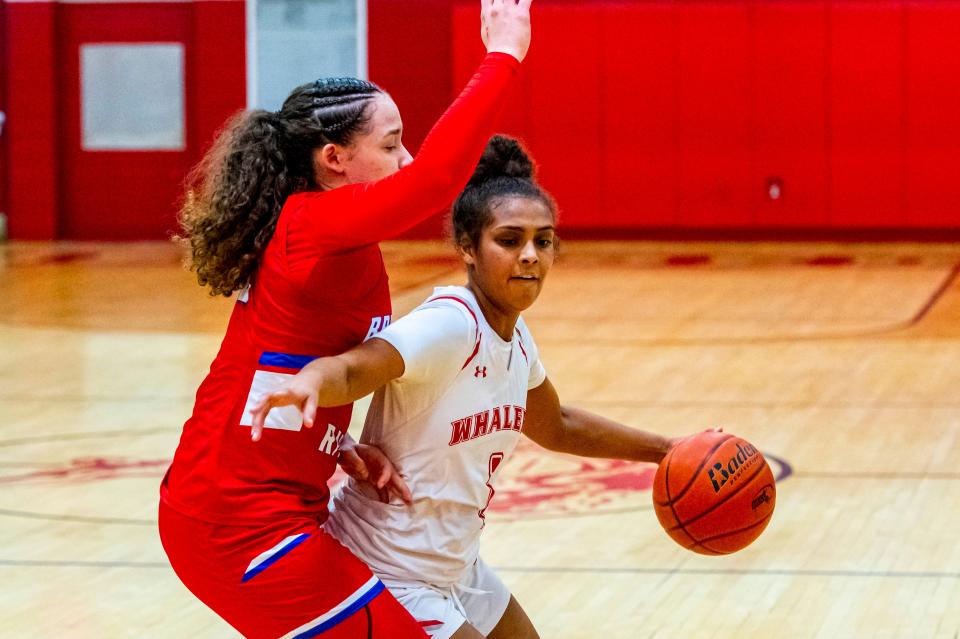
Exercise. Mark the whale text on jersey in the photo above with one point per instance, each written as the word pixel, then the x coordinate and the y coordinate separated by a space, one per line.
pixel 486 422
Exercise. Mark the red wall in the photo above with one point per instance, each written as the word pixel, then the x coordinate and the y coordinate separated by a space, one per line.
pixel 3 107
pixel 57 190
pixel 653 114
pixel 408 54
pixel 30 130
pixel 643 114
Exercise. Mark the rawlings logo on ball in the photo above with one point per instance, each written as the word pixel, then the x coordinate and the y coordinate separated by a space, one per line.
pixel 746 455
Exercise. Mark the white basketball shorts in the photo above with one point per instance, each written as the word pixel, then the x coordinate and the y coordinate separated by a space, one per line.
pixel 480 599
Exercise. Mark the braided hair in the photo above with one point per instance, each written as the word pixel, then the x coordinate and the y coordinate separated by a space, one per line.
pixel 234 195
pixel 505 170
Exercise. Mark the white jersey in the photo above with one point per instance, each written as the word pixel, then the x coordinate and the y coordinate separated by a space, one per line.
pixel 448 424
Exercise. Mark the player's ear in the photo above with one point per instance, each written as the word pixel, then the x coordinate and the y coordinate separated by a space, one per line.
pixel 328 160
pixel 465 251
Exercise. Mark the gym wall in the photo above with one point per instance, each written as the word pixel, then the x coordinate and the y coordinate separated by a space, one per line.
pixel 776 118
pixel 780 117
pixel 108 105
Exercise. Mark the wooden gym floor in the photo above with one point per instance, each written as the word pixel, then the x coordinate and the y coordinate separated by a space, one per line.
pixel 840 361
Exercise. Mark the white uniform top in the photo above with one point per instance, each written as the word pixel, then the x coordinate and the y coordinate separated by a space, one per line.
pixel 448 424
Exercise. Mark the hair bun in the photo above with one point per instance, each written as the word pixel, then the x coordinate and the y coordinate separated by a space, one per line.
pixel 504 157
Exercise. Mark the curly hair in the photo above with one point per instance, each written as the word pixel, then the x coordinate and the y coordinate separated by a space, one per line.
pixel 505 169
pixel 233 197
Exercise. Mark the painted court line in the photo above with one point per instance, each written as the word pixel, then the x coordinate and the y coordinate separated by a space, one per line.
pixel 770 572
pixel 719 572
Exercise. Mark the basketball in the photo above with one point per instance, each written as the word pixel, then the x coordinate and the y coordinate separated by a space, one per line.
pixel 714 493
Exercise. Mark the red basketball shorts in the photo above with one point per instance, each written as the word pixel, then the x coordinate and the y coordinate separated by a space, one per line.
pixel 289 580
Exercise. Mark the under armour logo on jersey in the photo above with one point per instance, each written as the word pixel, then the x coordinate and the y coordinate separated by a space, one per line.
pixel 481 371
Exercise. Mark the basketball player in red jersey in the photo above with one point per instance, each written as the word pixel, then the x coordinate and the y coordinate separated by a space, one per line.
pixel 286 210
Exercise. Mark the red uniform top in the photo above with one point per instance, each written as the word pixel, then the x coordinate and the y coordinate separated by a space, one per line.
pixel 321 289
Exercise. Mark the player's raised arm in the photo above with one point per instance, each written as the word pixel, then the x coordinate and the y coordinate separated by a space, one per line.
pixel 578 432
pixel 332 381
pixel 386 207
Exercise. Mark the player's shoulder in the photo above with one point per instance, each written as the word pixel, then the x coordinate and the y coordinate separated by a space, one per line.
pixel 297 204
pixel 446 316
pixel 454 300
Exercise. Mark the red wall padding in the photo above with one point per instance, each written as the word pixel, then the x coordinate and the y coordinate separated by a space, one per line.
pixel 3 107
pixel 715 123
pixel 932 137
pixel 645 118
pixel 30 129
pixel 661 114
pixel 409 55
pixel 790 95
pixel 121 195
pixel 56 190
pixel 866 114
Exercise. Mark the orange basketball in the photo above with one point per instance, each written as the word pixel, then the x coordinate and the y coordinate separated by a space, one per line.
pixel 714 493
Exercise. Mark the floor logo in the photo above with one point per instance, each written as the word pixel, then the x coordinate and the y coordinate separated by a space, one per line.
pixel 534 483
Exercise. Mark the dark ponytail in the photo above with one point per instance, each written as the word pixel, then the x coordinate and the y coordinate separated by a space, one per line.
pixel 505 170
pixel 234 195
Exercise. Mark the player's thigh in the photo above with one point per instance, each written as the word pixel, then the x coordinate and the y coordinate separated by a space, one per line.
pixel 290 579
pixel 319 588
pixel 484 596
pixel 382 618
pixel 514 624
pixel 436 612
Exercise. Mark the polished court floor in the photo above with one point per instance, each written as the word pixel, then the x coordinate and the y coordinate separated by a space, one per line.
pixel 840 361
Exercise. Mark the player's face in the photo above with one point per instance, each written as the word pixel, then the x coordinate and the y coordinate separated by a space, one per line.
pixel 516 250
pixel 378 151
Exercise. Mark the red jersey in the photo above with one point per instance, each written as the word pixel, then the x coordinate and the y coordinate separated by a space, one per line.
pixel 320 289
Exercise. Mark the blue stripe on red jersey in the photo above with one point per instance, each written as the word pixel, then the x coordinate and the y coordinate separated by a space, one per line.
pixel 284 360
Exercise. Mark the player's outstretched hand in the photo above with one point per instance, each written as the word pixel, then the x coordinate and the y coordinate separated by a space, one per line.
pixel 299 392
pixel 505 26
pixel 367 463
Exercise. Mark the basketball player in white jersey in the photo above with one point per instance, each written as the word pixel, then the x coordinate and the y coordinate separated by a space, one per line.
pixel 457 382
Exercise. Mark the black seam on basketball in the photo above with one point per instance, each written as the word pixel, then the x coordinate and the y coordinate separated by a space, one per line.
pixel 703 461
pixel 666 481
pixel 703 544
pixel 709 551
pixel 670 500
pixel 709 510
pixel 676 517
pixel 666 475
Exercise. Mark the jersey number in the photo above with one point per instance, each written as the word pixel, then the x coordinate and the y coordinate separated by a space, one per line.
pixel 493 464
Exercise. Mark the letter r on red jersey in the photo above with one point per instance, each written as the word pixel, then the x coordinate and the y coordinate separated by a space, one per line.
pixel 331 440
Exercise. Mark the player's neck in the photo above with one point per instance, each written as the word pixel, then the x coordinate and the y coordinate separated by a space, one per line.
pixel 501 321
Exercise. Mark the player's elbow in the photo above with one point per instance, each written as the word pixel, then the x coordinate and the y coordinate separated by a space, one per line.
pixel 551 434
